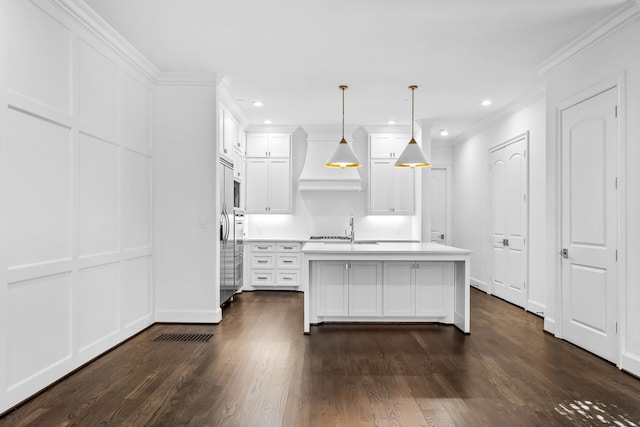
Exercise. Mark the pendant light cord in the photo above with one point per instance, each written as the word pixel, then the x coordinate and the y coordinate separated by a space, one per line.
pixel 343 89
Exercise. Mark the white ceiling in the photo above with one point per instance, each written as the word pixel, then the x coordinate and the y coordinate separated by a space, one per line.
pixel 293 54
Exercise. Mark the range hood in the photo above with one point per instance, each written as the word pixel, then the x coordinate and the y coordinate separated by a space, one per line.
pixel 315 176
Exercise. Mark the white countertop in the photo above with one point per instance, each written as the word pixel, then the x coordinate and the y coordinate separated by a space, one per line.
pixel 381 248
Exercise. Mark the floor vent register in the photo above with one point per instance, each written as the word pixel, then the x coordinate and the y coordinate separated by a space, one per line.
pixel 185 337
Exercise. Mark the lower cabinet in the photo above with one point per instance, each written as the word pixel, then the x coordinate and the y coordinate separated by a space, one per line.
pixel 274 265
pixel 384 289
pixel 351 288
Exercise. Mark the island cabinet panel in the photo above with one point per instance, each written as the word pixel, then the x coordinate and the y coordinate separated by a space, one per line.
pixel 332 298
pixel 365 288
pixel 434 288
pixel 399 289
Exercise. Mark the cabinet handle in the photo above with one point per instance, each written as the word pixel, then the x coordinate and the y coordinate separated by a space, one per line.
pixel 262 261
pixel 287 278
pixel 263 247
pixel 287 261
pixel 287 247
pixel 262 278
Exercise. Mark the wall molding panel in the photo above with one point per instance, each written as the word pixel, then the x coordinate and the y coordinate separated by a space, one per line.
pixel 76 199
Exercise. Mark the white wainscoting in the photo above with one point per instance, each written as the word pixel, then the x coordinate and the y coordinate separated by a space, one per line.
pixel 76 196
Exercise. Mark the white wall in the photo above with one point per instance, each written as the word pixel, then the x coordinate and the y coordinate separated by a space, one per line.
pixel 186 282
pixel 75 189
pixel 614 57
pixel 471 212
pixel 327 212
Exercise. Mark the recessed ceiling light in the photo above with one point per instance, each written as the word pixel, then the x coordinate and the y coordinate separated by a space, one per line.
pixel 258 103
pixel 391 122
pixel 267 122
pixel 486 102
pixel 444 132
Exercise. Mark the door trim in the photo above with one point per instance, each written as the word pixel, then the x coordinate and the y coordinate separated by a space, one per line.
pixel 448 202
pixel 613 82
pixel 523 136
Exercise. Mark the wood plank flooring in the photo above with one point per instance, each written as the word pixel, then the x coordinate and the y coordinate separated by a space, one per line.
pixel 260 370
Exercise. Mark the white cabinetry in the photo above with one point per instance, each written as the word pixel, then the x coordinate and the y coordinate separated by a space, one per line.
pixel 274 265
pixel 268 145
pixel 417 289
pixel 349 289
pixel 268 173
pixel 387 146
pixel 391 189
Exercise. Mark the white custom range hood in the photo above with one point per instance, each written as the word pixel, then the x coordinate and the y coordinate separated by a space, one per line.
pixel 315 176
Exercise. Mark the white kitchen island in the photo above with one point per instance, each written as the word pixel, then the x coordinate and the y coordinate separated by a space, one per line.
pixel 385 282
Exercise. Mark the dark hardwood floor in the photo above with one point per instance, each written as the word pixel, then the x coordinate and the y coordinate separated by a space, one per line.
pixel 260 370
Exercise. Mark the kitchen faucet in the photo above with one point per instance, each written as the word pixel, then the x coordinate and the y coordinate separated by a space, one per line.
pixel 353 231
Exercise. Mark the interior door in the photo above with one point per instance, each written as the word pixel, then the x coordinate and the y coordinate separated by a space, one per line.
pixel 440 212
pixel 589 144
pixel 509 181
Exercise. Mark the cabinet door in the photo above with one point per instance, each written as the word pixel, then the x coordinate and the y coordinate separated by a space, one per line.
pixel 365 288
pixel 399 144
pixel 398 289
pixel 279 186
pixel 402 190
pixel 380 187
pixel 279 145
pixel 433 296
pixel 229 133
pixel 381 146
pixel 332 297
pixel 257 145
pixel 257 186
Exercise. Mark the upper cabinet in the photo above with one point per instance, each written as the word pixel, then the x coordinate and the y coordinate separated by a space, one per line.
pixel 391 189
pixel 387 146
pixel 268 171
pixel 268 145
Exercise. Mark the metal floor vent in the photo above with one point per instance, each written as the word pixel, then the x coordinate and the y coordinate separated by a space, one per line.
pixel 184 337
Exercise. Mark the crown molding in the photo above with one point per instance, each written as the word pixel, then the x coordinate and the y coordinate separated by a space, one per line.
pixel 82 14
pixel 388 129
pixel 230 103
pixel 627 14
pixel 525 100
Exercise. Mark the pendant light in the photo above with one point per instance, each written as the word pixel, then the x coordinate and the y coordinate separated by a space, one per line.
pixel 412 156
pixel 343 156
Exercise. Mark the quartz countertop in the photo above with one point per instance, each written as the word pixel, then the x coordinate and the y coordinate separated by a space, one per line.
pixel 381 248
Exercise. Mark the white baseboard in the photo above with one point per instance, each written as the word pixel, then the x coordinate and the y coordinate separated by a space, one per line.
pixel 550 325
pixel 630 363
pixel 479 284
pixel 189 316
pixel 536 308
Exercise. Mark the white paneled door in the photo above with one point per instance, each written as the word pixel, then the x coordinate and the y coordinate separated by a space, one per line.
pixel 440 205
pixel 509 184
pixel 589 147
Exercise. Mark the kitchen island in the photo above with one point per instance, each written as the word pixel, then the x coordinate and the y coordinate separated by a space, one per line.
pixel 385 282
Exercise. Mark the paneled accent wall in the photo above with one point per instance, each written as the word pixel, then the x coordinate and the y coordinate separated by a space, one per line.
pixel 76 193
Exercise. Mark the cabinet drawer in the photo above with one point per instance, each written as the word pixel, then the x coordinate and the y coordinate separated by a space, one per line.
pixel 262 247
pixel 262 278
pixel 288 278
pixel 288 247
pixel 288 261
pixel 261 261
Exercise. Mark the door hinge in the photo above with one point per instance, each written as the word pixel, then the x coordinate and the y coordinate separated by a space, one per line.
pixel 615 110
pixel 616 182
pixel 616 255
pixel 616 326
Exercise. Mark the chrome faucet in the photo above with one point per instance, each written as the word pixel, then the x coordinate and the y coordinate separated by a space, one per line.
pixel 352 234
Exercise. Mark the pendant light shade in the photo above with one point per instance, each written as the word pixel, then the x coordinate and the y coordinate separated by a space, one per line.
pixel 343 156
pixel 412 156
